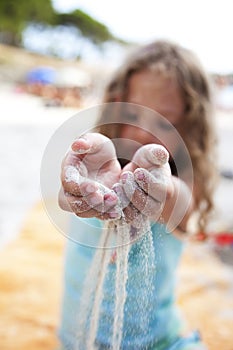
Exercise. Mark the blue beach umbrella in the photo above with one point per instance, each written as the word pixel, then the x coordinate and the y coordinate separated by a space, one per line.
pixel 42 75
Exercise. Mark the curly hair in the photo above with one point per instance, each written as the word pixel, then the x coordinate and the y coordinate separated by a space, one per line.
pixel 197 130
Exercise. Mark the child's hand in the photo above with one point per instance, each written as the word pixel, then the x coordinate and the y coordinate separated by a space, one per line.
pixel 89 170
pixel 145 184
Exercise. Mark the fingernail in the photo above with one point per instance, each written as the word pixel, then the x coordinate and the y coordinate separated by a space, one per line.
pixel 80 146
pixel 139 175
pixel 160 155
pixel 110 197
pixel 123 200
pixel 116 188
pixel 114 215
pixel 124 177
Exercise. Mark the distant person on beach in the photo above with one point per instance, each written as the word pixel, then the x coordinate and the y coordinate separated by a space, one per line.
pixel 165 80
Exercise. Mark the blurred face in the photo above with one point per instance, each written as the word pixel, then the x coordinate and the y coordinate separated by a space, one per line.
pixel 160 94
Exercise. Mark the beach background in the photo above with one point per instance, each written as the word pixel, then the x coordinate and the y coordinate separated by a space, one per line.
pixel 32 248
pixel 28 123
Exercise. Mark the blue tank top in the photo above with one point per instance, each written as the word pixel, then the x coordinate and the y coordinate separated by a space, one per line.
pixel 153 323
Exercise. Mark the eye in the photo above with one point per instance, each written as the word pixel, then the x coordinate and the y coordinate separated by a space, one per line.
pixel 131 117
pixel 165 126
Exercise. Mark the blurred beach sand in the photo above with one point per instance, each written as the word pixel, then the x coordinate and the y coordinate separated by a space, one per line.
pixel 30 287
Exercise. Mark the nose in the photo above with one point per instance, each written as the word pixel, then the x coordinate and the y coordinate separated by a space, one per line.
pixel 138 134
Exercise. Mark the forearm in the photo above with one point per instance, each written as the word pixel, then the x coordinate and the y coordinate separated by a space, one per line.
pixel 178 207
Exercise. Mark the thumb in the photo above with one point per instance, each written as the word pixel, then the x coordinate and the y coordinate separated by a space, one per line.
pixel 149 156
pixel 94 149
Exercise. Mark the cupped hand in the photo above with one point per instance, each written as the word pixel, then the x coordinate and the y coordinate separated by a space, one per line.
pixel 89 170
pixel 145 184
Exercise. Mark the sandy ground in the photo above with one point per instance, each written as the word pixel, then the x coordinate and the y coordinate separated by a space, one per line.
pixel 30 285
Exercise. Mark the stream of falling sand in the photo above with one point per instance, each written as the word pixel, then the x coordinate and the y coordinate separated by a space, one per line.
pixel 123 239
pixel 94 280
pixel 93 293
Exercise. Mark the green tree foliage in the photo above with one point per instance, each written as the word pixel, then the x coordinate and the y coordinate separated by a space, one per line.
pixel 89 27
pixel 15 15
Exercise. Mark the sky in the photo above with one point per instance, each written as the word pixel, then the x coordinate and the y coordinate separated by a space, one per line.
pixel 205 26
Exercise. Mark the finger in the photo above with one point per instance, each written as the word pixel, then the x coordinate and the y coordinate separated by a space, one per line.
pixel 129 185
pixel 98 146
pixel 129 212
pixel 84 204
pixel 136 219
pixel 146 205
pixel 155 184
pixel 72 175
pixel 123 199
pixel 75 159
pixel 94 149
pixel 82 145
pixel 81 208
pixel 88 143
pixel 98 201
pixel 130 194
pixel 111 214
pixel 112 205
pixel 91 214
pixel 74 204
pixel 140 199
pixel 150 155
pixel 131 166
pixel 76 184
pixel 132 215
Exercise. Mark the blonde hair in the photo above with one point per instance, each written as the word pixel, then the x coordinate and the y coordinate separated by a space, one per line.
pixel 181 64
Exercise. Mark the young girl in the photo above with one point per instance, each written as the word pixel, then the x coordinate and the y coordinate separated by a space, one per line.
pixel 136 153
